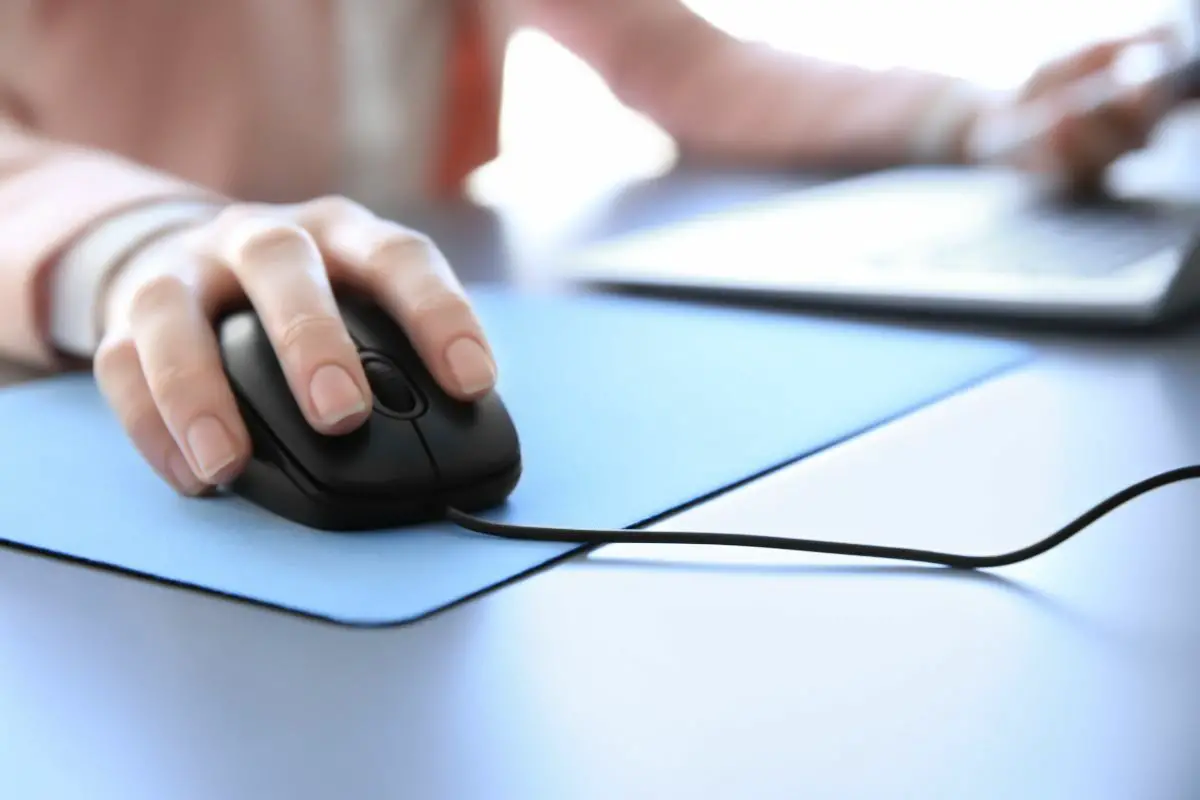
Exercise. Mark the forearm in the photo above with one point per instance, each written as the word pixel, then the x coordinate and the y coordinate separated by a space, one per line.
pixel 54 202
pixel 724 98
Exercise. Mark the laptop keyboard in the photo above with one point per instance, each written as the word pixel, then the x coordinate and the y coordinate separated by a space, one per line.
pixel 1079 242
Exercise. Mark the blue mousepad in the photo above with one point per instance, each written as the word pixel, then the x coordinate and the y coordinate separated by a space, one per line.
pixel 626 408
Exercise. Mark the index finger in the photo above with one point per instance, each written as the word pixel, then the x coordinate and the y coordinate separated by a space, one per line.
pixel 284 276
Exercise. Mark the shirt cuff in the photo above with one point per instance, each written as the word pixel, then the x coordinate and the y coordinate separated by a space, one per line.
pixel 81 275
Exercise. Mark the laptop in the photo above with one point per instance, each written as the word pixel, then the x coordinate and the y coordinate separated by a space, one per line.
pixel 959 240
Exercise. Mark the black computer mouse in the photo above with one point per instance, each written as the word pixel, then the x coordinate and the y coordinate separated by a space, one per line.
pixel 420 451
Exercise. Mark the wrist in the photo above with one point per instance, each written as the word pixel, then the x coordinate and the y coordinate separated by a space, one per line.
pixel 152 256
pixel 943 130
pixel 959 148
pixel 81 278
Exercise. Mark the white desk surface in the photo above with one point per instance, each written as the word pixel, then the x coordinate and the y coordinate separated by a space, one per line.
pixel 668 672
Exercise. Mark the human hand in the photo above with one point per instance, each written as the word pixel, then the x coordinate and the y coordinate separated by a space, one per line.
pixel 1079 114
pixel 159 367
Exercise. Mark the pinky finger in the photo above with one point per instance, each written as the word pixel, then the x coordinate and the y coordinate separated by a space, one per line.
pixel 119 376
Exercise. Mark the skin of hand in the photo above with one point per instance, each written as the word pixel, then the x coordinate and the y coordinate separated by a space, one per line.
pixel 1081 140
pixel 158 364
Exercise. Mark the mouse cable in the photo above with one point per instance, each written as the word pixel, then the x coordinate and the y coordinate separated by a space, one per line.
pixel 638 536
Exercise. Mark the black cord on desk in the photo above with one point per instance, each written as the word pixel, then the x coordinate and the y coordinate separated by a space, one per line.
pixel 600 537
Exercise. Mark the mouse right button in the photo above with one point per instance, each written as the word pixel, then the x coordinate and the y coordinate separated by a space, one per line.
pixel 470 442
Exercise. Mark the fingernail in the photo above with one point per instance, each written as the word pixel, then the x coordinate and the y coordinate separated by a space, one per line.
pixel 182 474
pixel 335 395
pixel 471 366
pixel 211 446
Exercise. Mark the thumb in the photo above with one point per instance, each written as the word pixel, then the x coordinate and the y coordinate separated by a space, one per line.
pixel 1073 67
pixel 1096 58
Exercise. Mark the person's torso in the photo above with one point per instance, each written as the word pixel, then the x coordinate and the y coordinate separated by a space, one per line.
pixel 264 100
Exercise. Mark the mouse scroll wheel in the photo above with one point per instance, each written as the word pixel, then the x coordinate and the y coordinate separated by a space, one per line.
pixel 389 385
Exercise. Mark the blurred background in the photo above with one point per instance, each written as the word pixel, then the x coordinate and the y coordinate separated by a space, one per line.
pixel 556 109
